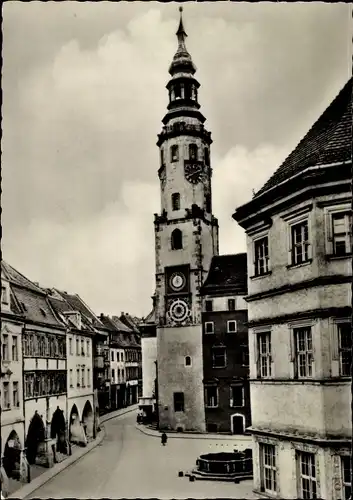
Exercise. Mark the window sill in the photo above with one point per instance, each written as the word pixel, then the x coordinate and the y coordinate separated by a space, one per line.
pixel 6 409
pixel 211 406
pixel 339 257
pixel 235 407
pixel 301 264
pixel 259 276
pixel 219 367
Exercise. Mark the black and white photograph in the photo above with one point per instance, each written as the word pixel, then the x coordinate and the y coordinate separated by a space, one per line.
pixel 176 271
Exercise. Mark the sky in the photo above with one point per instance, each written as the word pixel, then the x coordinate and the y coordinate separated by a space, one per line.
pixel 83 99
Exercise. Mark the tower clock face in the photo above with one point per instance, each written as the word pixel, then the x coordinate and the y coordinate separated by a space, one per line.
pixel 177 281
pixel 178 310
pixel 193 172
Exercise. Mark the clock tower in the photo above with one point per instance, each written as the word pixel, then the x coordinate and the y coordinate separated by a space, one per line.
pixel 186 239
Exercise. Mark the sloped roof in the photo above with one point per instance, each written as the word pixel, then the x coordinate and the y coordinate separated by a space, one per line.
pixel 131 321
pixel 15 277
pixel 150 318
pixel 119 325
pixel 328 141
pixel 227 272
pixel 122 335
pixel 61 306
pixel 35 306
pixel 79 305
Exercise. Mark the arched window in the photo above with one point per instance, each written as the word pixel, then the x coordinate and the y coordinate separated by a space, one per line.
pixel 176 201
pixel 174 153
pixel 187 361
pixel 177 239
pixel 207 156
pixel 193 152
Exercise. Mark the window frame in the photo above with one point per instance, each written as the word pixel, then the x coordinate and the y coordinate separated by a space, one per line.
pixel 209 323
pixel 174 153
pixel 229 322
pixel 329 213
pixel 210 308
pixel 14 348
pixel 231 399
pixel 344 483
pixel 214 348
pixel 271 467
pixel 175 198
pixel 344 349
pixel 181 402
pixel 5 348
pixel 265 258
pixel 207 387
pixel 231 302
pixel 267 356
pixel 193 151
pixel 312 479
pixel 299 353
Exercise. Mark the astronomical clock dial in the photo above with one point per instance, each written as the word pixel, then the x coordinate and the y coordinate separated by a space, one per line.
pixel 193 172
pixel 178 310
pixel 177 281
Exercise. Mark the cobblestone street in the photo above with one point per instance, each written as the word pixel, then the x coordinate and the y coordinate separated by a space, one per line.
pixel 131 464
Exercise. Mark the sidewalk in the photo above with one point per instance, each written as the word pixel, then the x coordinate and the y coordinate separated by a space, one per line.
pixel 78 453
pixel 186 435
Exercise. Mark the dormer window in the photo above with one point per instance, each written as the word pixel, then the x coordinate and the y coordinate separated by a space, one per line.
pixel 177 239
pixel 174 153
pixel 193 152
pixel 43 311
pixel 176 201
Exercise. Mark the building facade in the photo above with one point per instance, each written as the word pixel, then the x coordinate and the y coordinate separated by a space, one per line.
pixel 79 349
pixel 299 237
pixel 225 345
pixel 12 409
pixel 186 239
pixel 44 371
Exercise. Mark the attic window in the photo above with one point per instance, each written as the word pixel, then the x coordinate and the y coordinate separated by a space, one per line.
pixel 42 311
pixel 23 305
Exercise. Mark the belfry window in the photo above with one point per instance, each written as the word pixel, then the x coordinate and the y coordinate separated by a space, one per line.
pixel 193 152
pixel 177 239
pixel 193 93
pixel 176 201
pixel 174 153
pixel 177 91
pixel 162 157
pixel 187 91
pixel 207 156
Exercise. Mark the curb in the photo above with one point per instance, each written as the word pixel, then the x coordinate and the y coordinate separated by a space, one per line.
pixel 41 480
pixel 180 435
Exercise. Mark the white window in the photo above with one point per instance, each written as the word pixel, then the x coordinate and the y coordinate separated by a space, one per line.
pixel 300 242
pixel 307 475
pixel 211 396
pixel 77 347
pixel 342 233
pixel 88 377
pixel 70 346
pixel 82 347
pixel 264 354
pixel 209 327
pixel 261 256
pixel 71 378
pixel 83 376
pixel 87 349
pixel 303 352
pixel 268 468
pixel 219 357
pixel 236 396
pixel 78 377
pixel 346 468
pixel 231 326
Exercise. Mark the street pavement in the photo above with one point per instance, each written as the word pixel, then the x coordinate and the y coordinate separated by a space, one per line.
pixel 131 464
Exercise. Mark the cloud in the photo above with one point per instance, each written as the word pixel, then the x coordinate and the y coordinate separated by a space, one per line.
pixel 84 95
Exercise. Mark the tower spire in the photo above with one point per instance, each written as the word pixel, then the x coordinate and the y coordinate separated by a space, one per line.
pixel 181 34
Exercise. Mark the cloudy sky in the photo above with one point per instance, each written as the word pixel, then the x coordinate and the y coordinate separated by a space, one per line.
pixel 84 94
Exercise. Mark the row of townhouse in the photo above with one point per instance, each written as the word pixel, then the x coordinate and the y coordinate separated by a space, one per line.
pixel 57 362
